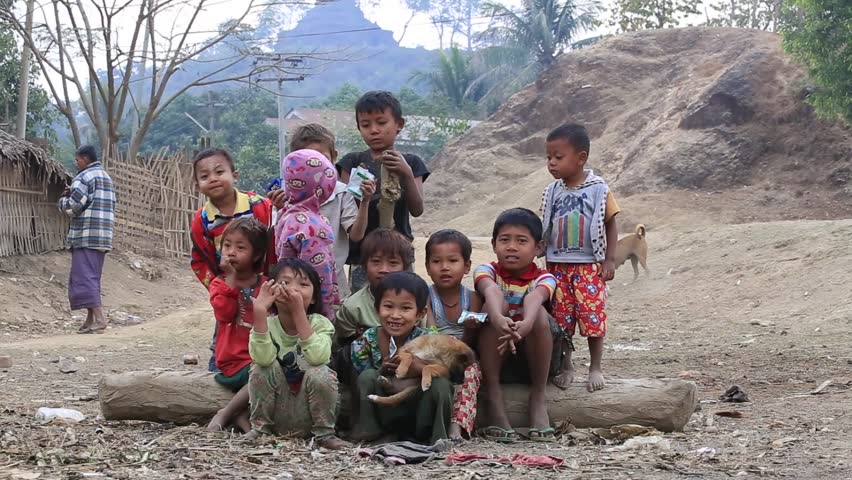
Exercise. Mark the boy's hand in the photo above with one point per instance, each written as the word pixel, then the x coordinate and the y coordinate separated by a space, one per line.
pixel 277 198
pixel 267 294
pixel 472 324
pixel 524 327
pixel 389 365
pixel 607 270
pixel 507 333
pixel 396 164
pixel 368 189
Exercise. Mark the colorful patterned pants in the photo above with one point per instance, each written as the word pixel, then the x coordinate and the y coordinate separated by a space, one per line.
pixel 277 410
pixel 580 298
pixel 464 401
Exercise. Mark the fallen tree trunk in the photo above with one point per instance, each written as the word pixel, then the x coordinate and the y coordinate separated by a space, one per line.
pixel 179 397
pixel 186 397
pixel 665 405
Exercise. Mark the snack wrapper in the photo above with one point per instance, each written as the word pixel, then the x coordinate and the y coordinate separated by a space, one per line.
pixel 358 175
pixel 480 317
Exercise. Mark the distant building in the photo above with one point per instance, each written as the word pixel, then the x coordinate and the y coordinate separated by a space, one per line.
pixel 416 131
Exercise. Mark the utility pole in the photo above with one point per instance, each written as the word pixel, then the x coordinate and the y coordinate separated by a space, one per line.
pixel 24 87
pixel 211 109
pixel 294 60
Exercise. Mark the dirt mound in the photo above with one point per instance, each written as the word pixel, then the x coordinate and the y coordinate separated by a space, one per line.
pixel 135 290
pixel 693 109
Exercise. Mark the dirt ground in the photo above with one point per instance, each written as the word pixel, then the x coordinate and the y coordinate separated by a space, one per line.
pixel 762 305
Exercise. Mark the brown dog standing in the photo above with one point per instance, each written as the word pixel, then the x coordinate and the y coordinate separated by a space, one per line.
pixel 635 248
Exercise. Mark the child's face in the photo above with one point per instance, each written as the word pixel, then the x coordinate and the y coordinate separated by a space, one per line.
pixel 324 149
pixel 238 251
pixel 215 178
pixel 299 282
pixel 446 265
pixel 516 248
pixel 563 160
pixel 380 265
pixel 379 129
pixel 398 312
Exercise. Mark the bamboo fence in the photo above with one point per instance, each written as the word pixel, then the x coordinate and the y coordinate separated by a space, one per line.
pixel 155 202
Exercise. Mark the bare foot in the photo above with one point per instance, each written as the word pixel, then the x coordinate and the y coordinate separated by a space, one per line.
pixel 252 435
pixel 538 410
pixel 242 422
pixel 455 432
pixel 333 443
pixel 596 380
pixel 218 422
pixel 565 378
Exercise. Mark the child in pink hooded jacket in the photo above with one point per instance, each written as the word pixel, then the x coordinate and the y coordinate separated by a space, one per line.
pixel 301 231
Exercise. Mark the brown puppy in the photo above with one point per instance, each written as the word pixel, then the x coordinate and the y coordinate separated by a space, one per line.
pixel 635 248
pixel 442 354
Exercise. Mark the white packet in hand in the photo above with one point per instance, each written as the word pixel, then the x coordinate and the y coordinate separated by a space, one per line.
pixel 392 347
pixel 358 175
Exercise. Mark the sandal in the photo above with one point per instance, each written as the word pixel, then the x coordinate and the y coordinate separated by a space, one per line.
pixel 543 435
pixel 498 434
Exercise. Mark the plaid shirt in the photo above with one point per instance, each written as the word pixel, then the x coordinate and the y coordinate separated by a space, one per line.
pixel 91 206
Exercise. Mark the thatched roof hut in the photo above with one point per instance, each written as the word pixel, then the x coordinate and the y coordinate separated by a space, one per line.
pixel 30 185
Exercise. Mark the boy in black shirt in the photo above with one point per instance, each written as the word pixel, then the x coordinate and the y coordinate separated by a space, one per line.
pixel 379 118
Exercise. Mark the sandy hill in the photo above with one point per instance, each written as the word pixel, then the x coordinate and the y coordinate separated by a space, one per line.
pixel 697 124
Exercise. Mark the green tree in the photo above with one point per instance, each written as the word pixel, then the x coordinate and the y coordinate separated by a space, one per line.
pixel 758 14
pixel 633 15
pixel 342 99
pixel 454 79
pixel 543 28
pixel 40 112
pixel 821 40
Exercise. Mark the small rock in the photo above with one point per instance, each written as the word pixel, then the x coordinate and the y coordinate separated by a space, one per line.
pixel 735 394
pixel 5 361
pixel 80 359
pixel 190 359
pixel 137 265
pixel 66 365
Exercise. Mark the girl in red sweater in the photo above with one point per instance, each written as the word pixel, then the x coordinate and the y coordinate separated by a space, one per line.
pixel 244 245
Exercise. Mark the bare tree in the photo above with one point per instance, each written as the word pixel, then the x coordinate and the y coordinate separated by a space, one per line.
pixel 77 43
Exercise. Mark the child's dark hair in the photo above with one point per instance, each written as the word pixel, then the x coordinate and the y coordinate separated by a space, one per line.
pixel 304 270
pixel 574 134
pixel 404 282
pixel 384 241
pixel 518 217
pixel 212 152
pixel 450 236
pixel 257 235
pixel 378 101
pixel 311 133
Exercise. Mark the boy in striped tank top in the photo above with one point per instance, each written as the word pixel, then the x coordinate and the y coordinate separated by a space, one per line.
pixel 447 262
pixel 580 236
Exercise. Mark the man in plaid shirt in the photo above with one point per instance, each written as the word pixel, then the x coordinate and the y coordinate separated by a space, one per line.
pixel 90 202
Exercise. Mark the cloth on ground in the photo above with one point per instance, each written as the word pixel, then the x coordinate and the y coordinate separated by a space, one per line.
pixel 546 461
pixel 405 453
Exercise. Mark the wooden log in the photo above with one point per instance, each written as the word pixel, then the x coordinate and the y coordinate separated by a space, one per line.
pixel 665 404
pixel 179 397
pixel 186 397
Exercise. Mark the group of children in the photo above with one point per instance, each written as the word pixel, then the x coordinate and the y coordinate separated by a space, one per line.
pixel 291 325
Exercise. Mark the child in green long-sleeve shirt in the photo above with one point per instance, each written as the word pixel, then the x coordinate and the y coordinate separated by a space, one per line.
pixel 291 388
